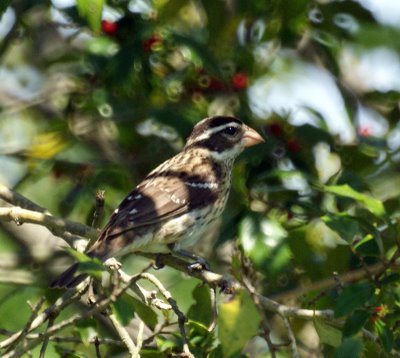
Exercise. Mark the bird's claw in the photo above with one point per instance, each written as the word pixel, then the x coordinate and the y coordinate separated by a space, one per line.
pixel 199 265
pixel 158 264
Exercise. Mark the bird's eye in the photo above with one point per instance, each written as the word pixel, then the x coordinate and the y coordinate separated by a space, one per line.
pixel 230 131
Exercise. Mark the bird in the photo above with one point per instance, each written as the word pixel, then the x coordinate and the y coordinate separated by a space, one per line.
pixel 176 202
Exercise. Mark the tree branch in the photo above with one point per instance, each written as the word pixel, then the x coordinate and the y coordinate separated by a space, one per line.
pixel 21 335
pixel 292 339
pixel 124 335
pixel 16 199
pixel 53 310
pixel 331 282
pixel 68 230
pixel 59 227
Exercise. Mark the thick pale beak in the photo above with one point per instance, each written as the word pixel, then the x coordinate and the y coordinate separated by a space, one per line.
pixel 251 137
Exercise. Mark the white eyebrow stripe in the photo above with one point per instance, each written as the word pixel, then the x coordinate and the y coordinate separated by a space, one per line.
pixel 209 132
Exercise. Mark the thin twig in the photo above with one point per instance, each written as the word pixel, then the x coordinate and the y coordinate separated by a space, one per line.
pixel 213 299
pixel 181 317
pixel 139 338
pixel 124 335
pixel 346 277
pixel 97 347
pixel 65 300
pixel 147 297
pixel 21 335
pixel 16 277
pixel 16 199
pixel 287 311
pixel 225 283
pixel 261 311
pixel 291 337
pixel 103 304
pixel 369 335
pixel 368 273
pixel 46 340
pixel 59 227
pixel 75 339
pixel 99 208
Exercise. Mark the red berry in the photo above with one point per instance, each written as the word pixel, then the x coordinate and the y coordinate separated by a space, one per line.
pixel 290 215
pixel 151 42
pixel 240 81
pixel 364 131
pixel 109 27
pixel 373 319
pixel 275 129
pixel 378 309
pixel 216 85
pixel 293 145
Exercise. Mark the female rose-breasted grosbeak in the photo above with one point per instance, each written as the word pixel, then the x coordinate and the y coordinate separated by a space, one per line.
pixel 178 200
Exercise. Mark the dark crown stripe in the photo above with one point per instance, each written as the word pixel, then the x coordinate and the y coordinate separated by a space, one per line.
pixel 221 120
pixel 207 134
pixel 214 143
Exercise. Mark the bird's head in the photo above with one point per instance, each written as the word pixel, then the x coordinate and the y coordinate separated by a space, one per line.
pixel 224 137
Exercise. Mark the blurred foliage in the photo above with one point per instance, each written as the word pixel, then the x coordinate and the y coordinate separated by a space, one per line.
pixel 96 94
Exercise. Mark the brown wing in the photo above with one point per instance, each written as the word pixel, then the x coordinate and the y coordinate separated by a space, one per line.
pixel 162 197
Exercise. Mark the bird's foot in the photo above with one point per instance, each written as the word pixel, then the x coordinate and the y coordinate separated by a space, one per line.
pixel 199 264
pixel 158 264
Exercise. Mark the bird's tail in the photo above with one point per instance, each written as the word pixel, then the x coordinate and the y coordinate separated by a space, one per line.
pixel 68 279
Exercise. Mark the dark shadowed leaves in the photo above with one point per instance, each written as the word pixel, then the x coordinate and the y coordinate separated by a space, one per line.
pixel 201 310
pixel 92 266
pixel 350 348
pixel 355 322
pixel 352 297
pixel 123 309
pixel 385 335
pixel 346 226
pixel 146 314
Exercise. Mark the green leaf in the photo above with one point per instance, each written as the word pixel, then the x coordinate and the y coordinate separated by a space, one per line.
pixel 91 11
pixel 374 205
pixel 238 322
pixel 3 7
pixel 352 297
pixel 364 240
pixel 92 266
pixel 385 335
pixel 378 35
pixel 200 311
pixel 390 278
pixel 355 322
pixel 344 225
pixel 64 352
pixel 146 314
pixel 327 334
pixel 102 46
pixel 85 328
pixel 350 348
pixel 123 309
pixel 164 344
